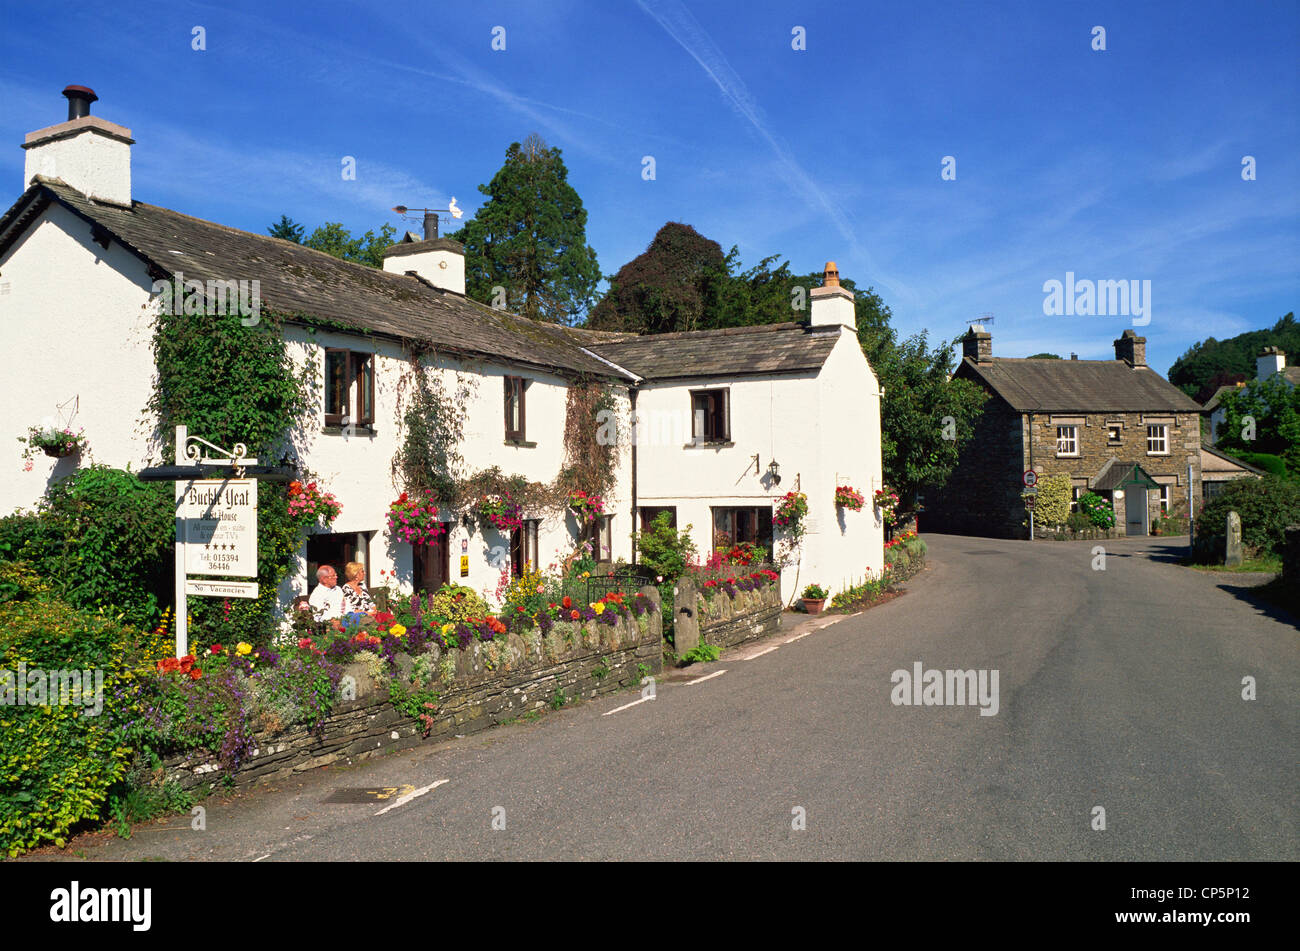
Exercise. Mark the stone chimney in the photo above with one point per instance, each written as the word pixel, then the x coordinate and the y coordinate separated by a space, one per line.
pixel 1270 360
pixel 86 152
pixel 1132 349
pixel 977 344
pixel 440 261
pixel 832 305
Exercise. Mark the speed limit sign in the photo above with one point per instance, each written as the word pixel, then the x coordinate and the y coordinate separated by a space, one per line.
pixel 1031 478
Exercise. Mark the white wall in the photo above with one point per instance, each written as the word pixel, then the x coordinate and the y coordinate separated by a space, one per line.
pixel 76 323
pixel 816 426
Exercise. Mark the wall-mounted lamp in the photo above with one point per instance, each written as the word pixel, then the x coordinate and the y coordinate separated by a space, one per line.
pixel 774 470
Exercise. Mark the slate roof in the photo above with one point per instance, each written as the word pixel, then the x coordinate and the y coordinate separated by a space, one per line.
pixel 1214 461
pixel 1078 386
pixel 1115 474
pixel 301 281
pixel 733 351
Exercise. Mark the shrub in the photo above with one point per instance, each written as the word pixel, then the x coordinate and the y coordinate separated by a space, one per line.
pixel 1052 505
pixel 454 602
pixel 1097 509
pixel 1266 506
pixel 664 549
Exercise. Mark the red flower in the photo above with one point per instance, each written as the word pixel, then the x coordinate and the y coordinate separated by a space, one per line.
pixel 573 615
pixel 195 674
pixel 216 648
pixel 304 643
pixel 567 602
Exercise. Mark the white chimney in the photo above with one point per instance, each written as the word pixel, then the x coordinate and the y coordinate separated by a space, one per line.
pixel 832 304
pixel 86 152
pixel 440 261
pixel 1270 360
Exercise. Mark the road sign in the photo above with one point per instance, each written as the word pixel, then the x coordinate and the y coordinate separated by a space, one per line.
pixel 220 525
pixel 1029 503
pixel 1032 490
pixel 1031 478
pixel 221 589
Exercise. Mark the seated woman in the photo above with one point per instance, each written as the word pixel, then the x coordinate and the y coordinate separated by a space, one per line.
pixel 355 596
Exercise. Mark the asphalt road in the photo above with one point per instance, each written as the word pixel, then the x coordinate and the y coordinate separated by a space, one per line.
pixel 1119 688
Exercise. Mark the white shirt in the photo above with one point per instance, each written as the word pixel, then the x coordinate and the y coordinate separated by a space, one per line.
pixel 326 603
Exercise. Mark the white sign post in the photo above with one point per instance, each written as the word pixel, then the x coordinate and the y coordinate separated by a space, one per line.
pixel 216 529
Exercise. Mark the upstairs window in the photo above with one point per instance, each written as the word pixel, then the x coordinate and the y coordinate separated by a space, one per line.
pixel 515 416
pixel 1114 433
pixel 349 388
pixel 710 416
pixel 1067 440
pixel 1158 439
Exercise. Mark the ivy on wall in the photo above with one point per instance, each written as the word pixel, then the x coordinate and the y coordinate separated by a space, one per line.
pixel 231 383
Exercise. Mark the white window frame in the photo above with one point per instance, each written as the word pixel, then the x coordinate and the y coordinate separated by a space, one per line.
pixel 1163 439
pixel 1118 429
pixel 1164 500
pixel 1062 440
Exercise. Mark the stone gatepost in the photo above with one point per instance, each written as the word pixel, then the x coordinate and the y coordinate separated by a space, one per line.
pixel 1232 544
pixel 686 621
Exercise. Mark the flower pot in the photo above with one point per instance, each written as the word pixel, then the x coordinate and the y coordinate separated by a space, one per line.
pixel 814 605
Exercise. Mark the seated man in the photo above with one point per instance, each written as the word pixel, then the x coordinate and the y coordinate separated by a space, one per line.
pixel 327 600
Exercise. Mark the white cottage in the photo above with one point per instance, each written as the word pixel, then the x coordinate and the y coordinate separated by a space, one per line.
pixel 726 421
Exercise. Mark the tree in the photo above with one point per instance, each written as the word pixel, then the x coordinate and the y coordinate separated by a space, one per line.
pixel 530 238
pixel 1263 417
pixel 1043 356
pixel 286 228
pixel 368 249
pixel 1193 371
pixel 675 284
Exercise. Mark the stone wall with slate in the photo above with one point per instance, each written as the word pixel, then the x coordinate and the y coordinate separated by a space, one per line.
pixel 726 621
pixel 478 687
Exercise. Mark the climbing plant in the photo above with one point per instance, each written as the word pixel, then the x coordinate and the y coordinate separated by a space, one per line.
pixel 231 380
pixel 433 424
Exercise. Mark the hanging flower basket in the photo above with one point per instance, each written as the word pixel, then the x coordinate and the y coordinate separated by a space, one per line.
pixel 501 511
pixel 790 511
pixel 56 443
pixel 847 497
pixel 886 503
pixel 414 519
pixel 312 507
pixel 587 508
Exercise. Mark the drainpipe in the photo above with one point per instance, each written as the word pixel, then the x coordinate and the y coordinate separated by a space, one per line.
pixel 631 392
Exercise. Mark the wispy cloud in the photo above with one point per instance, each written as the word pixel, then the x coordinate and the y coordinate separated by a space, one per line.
pixel 679 24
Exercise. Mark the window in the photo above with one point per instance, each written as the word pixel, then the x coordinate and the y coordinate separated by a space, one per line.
pixel 1164 500
pixel 733 525
pixel 1067 440
pixel 335 551
pixel 1158 439
pixel 710 416
pixel 600 536
pixel 650 512
pixel 349 388
pixel 523 548
pixel 515 416
pixel 1114 433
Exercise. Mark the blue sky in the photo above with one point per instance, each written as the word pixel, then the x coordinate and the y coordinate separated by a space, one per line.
pixel 1123 164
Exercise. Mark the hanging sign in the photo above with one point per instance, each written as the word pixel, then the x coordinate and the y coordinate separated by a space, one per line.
pixel 221 589
pixel 220 525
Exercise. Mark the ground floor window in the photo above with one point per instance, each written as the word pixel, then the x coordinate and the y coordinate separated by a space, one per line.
pixel 523 548
pixel 431 564
pixel 336 551
pixel 650 512
pixel 1164 500
pixel 732 526
pixel 1211 489
pixel 599 536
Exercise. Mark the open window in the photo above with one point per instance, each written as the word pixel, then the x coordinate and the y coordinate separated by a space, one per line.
pixel 349 388
pixel 600 537
pixel 710 416
pixel 523 548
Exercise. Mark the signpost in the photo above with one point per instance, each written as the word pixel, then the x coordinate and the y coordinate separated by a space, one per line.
pixel 1030 478
pixel 216 528
pixel 1031 493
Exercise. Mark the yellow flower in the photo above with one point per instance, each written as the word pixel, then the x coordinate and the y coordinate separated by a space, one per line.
pixel 397 630
pixel 448 628
pixel 243 648
pixel 599 607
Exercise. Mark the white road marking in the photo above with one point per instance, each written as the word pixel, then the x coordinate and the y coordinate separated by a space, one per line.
pixel 797 636
pixel 762 652
pixel 626 705
pixel 700 680
pixel 411 795
pixel 259 858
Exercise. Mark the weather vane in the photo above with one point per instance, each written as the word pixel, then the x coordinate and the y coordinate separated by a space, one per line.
pixel 430 216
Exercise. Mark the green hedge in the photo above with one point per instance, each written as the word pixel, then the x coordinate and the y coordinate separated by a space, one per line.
pixel 1266 506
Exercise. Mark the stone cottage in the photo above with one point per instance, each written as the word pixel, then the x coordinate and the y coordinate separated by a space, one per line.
pixel 1115 427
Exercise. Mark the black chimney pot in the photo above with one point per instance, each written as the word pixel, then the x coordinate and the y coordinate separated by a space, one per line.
pixel 79 100
pixel 430 226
